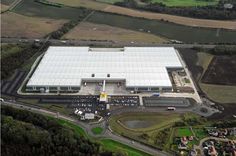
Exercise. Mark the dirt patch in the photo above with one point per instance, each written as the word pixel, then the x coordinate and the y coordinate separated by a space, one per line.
pixel 191 59
pixel 90 31
pixel 222 70
pixel 4 7
pixel 175 19
pixel 15 25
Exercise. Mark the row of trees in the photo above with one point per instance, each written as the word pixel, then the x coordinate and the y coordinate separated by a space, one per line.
pixel 208 12
pixel 71 24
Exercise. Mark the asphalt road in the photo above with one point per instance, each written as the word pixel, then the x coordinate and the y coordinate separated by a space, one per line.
pixel 102 43
pixel 87 127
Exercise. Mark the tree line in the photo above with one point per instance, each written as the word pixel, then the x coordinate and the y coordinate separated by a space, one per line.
pixel 25 133
pixel 70 25
pixel 208 12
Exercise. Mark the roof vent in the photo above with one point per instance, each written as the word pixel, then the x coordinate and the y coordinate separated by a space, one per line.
pixel 93 75
pixel 108 75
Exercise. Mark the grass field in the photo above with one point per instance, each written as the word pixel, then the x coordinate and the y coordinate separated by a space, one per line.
pixel 15 25
pixel 149 15
pixel 97 130
pixel 184 132
pixel 122 148
pixel 220 93
pixel 187 2
pixel 168 30
pixel 91 31
pixel 78 130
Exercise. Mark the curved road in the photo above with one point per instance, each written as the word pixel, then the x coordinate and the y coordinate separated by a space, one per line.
pixel 87 127
pixel 207 138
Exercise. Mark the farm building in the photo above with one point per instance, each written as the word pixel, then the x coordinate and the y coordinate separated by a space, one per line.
pixel 140 68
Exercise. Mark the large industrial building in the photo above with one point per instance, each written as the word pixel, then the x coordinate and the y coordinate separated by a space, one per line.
pixel 139 68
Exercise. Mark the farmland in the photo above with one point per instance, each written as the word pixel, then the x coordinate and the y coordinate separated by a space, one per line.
pixel 31 8
pixel 91 31
pixel 15 25
pixel 149 15
pixel 198 63
pixel 168 30
pixel 216 73
pixel 186 2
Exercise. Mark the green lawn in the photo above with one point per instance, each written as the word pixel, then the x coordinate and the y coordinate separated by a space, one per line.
pixel 97 130
pixel 187 2
pixel 78 130
pixel 119 147
pixel 184 132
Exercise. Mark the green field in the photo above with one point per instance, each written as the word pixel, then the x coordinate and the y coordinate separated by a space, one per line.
pixel 122 148
pixel 97 130
pixel 165 29
pixel 187 2
pixel 184 132
pixel 32 8
pixel 109 1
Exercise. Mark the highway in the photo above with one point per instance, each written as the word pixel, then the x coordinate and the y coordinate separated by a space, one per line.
pixel 103 43
pixel 87 128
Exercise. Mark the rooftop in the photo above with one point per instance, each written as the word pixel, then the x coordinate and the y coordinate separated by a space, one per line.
pixel 138 66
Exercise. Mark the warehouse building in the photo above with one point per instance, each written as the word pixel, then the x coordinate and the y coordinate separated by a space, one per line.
pixel 139 68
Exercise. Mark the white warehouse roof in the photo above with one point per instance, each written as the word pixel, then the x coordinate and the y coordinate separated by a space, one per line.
pixel 139 66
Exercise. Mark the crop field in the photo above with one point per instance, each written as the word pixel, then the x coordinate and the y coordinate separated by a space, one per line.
pixel 149 15
pixel 15 25
pixel 83 3
pixel 168 30
pixel 198 63
pixel 32 8
pixel 91 31
pixel 187 2
pixel 222 71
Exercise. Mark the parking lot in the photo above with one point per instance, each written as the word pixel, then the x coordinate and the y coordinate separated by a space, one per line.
pixel 124 100
pixel 165 102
